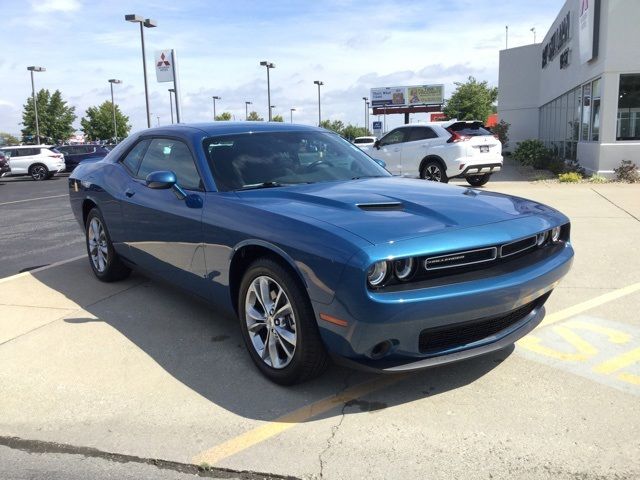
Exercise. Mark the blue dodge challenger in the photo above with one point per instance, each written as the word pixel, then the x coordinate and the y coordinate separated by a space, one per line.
pixel 317 249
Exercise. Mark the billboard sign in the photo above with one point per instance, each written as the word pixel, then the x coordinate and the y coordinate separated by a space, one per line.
pixel 164 68
pixel 405 96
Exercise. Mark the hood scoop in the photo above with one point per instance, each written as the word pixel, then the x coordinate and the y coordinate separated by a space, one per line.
pixel 380 206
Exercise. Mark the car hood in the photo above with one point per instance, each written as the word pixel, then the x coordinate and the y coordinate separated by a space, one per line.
pixel 387 209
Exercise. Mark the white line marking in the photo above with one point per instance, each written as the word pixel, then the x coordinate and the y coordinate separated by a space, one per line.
pixel 33 199
pixel 40 269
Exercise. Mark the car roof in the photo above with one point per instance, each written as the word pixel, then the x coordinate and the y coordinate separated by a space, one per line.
pixel 226 128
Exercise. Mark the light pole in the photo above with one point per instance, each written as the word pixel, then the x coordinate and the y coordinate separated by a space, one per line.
pixel 33 96
pixel 246 110
pixel 506 37
pixel 172 92
pixel 158 117
pixel 291 110
pixel 366 113
pixel 318 82
pixel 533 30
pixel 149 23
pixel 271 109
pixel 269 66
pixel 214 98
pixel 113 107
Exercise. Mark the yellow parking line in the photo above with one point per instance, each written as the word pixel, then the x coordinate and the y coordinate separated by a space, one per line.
pixel 290 420
pixel 589 304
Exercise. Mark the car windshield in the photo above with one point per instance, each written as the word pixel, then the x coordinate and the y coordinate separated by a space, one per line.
pixel 273 159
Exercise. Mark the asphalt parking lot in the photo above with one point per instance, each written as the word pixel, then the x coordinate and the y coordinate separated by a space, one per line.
pixel 138 370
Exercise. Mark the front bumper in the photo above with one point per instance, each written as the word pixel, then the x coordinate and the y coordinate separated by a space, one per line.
pixel 400 317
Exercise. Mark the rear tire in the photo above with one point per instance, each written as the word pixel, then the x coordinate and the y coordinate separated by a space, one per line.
pixel 39 172
pixel 105 262
pixel 478 180
pixel 434 171
pixel 286 348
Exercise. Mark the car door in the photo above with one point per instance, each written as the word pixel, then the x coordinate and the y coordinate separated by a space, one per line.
pixel 162 230
pixel 20 160
pixel 389 150
pixel 415 148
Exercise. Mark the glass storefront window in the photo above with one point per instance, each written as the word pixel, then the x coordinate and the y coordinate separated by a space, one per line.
pixel 586 112
pixel 595 110
pixel 628 125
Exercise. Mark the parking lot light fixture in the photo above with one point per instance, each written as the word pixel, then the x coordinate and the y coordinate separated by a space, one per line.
pixel 113 107
pixel 291 110
pixel 269 66
pixel 148 23
pixel 246 110
pixel 33 96
pixel 319 83
pixel 172 91
pixel 214 98
pixel 366 113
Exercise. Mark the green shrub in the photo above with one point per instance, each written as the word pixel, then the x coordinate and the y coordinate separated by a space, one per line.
pixel 501 129
pixel 533 153
pixel 598 179
pixel 627 172
pixel 570 177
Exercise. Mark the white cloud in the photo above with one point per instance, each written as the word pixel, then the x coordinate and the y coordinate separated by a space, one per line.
pixel 49 6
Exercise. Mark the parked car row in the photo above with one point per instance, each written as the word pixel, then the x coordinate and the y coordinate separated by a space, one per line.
pixel 42 162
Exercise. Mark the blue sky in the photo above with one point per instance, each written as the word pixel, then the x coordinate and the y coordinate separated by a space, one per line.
pixel 351 46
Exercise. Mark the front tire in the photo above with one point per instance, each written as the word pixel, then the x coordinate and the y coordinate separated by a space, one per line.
pixel 478 180
pixel 278 324
pixel 433 171
pixel 39 172
pixel 105 262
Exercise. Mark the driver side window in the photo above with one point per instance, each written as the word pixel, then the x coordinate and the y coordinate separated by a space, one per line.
pixel 395 136
pixel 173 155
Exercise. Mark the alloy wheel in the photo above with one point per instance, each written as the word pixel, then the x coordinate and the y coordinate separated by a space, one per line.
pixel 38 172
pixel 271 322
pixel 433 173
pixel 98 249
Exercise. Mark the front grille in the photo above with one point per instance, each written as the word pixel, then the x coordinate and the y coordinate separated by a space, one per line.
pixel 433 340
pixel 460 259
pixel 518 246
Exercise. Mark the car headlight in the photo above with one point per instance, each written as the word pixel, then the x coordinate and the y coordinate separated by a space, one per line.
pixel 542 237
pixel 403 268
pixel 555 234
pixel 377 273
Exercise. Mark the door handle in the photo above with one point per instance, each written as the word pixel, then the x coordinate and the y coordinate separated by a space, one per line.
pixel 129 193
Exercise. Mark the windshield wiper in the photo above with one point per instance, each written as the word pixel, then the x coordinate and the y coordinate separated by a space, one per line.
pixel 254 186
pixel 366 176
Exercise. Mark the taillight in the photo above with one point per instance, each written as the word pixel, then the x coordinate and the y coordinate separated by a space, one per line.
pixel 456 137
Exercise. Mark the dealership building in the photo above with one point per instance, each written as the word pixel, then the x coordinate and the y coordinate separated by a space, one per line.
pixel 579 90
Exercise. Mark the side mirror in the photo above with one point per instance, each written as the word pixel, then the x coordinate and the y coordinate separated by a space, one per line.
pixel 382 163
pixel 161 180
pixel 376 144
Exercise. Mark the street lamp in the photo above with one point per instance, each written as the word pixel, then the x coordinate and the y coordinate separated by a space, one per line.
pixel 269 66
pixel 113 107
pixel 33 95
pixel 149 23
pixel 271 109
pixel 172 92
pixel 366 113
pixel 533 30
pixel 291 110
pixel 246 110
pixel 318 82
pixel 215 97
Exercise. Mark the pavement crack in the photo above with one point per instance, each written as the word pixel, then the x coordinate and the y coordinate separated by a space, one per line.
pixel 616 205
pixel 41 447
pixel 336 427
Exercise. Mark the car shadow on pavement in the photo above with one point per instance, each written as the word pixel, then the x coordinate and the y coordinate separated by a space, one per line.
pixel 205 351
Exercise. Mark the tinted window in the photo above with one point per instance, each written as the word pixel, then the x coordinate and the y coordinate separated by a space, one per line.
pixel 421 133
pixel 363 140
pixel 132 160
pixel 395 136
pixel 628 124
pixel 173 155
pixel 471 129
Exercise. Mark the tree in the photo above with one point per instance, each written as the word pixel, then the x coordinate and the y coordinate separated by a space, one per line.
pixel 97 124
pixel 55 117
pixel 335 126
pixel 472 100
pixel 223 117
pixel 254 117
pixel 277 118
pixel 8 139
pixel 352 131
pixel 501 129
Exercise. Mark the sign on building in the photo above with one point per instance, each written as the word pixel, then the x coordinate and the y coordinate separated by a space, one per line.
pixel 588 25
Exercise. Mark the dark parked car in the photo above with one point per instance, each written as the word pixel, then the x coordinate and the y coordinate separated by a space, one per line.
pixel 5 169
pixel 317 249
pixel 74 154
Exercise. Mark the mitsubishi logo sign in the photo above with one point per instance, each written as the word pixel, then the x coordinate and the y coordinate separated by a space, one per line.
pixel 164 67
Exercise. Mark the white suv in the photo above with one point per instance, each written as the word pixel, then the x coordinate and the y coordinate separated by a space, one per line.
pixel 439 151
pixel 39 161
